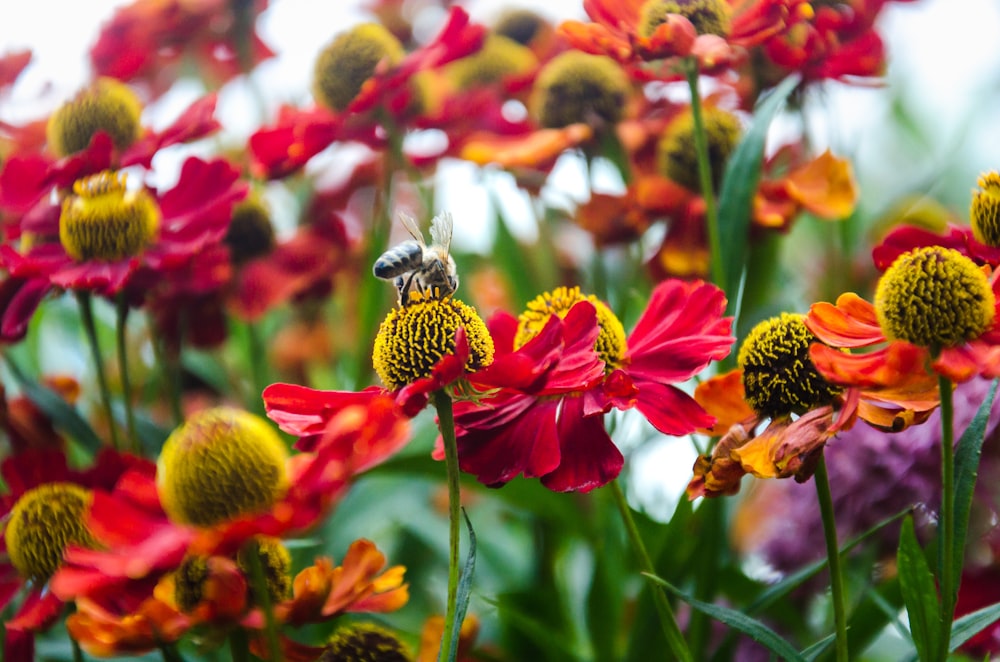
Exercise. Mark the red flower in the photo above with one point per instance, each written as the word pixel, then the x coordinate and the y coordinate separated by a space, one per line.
pixel 299 135
pixel 535 425
pixel 24 474
pixel 142 41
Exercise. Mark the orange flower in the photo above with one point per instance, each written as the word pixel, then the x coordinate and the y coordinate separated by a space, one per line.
pixel 824 187
pixel 631 30
pixel 102 633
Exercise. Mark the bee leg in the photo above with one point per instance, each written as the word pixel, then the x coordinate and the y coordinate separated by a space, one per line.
pixel 404 287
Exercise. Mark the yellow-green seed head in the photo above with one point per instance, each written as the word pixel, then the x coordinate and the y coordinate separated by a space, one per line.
pixel 349 60
pixel 934 297
pixel 275 562
pixel 250 232
pixel 985 212
pixel 189 582
pixel 520 25
pixel 676 153
pixel 611 341
pixel 413 338
pixel 707 16
pixel 579 87
pixel 108 105
pixel 103 220
pixel 499 58
pixel 220 464
pixel 364 642
pixel 778 376
pixel 43 522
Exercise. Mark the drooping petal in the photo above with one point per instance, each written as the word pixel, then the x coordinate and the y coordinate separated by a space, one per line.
pixel 588 458
pixel 671 410
pixel 850 323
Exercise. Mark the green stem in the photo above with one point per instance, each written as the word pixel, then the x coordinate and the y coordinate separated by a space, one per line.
pixel 263 599
pixel 77 652
pixel 120 328
pixel 705 176
pixel 258 367
pixel 87 315
pixel 170 654
pixel 675 640
pixel 946 517
pixel 446 423
pixel 822 480
pixel 239 645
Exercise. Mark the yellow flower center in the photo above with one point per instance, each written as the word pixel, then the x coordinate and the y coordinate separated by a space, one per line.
pixel 934 297
pixel 520 25
pixel 985 212
pixel 43 522
pixel 707 16
pixel 108 105
pixel 189 582
pixel 676 152
pixel 579 87
pixel 250 233
pixel 364 642
pixel 611 343
pixel 499 57
pixel 221 464
pixel 414 337
pixel 349 60
pixel 275 562
pixel 103 220
pixel 778 376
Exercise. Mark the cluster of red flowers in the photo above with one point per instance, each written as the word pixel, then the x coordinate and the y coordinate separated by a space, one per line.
pixel 149 553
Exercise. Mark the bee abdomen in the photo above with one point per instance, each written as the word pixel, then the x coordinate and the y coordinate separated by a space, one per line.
pixel 398 259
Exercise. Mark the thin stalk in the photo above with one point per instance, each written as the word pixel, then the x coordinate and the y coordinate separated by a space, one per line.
pixel 239 645
pixel 258 366
pixel 120 333
pixel 675 640
pixel 946 517
pixel 705 175
pixel 822 480
pixel 263 599
pixel 87 315
pixel 446 423
pixel 77 652
pixel 170 654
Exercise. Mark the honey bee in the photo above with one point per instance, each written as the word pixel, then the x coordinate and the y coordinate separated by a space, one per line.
pixel 413 265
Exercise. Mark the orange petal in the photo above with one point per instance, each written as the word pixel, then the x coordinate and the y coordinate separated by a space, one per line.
pixel 825 186
pixel 534 150
pixel 723 397
pixel 850 323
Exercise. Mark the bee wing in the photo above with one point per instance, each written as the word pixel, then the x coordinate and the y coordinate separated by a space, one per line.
pixel 441 229
pixel 411 226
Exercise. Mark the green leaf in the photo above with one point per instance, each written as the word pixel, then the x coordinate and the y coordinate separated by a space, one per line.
pixel 972 624
pixel 819 647
pixel 919 593
pixel 464 590
pixel 64 415
pixel 739 185
pixel 967 453
pixel 739 621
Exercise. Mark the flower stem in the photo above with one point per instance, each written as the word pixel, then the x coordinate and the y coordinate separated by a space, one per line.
pixel 170 654
pixel 258 367
pixel 946 517
pixel 675 640
pixel 77 651
pixel 822 480
pixel 446 423
pixel 87 315
pixel 239 645
pixel 705 176
pixel 120 329
pixel 263 599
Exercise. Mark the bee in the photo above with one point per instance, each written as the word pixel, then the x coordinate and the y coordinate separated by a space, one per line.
pixel 415 265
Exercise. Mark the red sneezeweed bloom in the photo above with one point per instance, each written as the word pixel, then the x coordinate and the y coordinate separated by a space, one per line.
pixel 148 40
pixel 546 420
pixel 620 30
pixel 837 40
pixel 298 135
pixel 192 217
pixel 26 549
pixel 142 543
